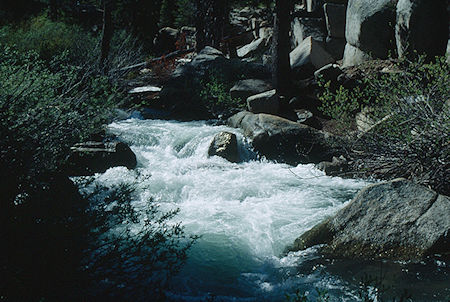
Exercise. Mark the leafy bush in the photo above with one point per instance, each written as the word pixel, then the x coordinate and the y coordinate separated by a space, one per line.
pixel 45 108
pixel 186 13
pixel 215 95
pixel 408 116
pixel 49 38
pixel 131 254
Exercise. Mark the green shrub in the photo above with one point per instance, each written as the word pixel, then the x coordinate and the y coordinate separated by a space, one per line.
pixel 48 106
pixel 215 95
pixel 49 38
pixel 186 13
pixel 131 254
pixel 409 121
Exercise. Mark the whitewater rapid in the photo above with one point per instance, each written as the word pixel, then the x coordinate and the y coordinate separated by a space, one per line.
pixel 246 213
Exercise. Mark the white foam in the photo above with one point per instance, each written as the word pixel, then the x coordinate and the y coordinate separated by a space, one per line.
pixel 247 213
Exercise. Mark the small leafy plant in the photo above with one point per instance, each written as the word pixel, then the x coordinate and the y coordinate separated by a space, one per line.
pixel 215 95
pixel 408 116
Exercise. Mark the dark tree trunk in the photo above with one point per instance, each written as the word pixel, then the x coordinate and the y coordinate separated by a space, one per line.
pixel 219 20
pixel 53 10
pixel 200 24
pixel 106 32
pixel 281 68
pixel 212 19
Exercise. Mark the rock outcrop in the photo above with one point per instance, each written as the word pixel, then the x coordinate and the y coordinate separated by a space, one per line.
pixel 369 30
pixel 422 26
pixel 392 220
pixel 165 40
pixel 245 88
pixel 96 157
pixel 266 102
pixel 307 27
pixel 285 141
pixel 225 145
pixel 307 57
pixel 254 47
pixel 180 96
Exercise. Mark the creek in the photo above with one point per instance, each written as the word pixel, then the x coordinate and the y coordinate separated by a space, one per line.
pixel 246 213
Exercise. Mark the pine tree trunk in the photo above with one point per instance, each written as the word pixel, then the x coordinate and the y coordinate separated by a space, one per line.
pixel 281 68
pixel 53 10
pixel 212 19
pixel 200 25
pixel 106 32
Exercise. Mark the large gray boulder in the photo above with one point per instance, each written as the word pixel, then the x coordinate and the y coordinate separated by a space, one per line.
pixel 302 28
pixel 308 57
pixel 370 28
pixel 253 48
pixel 422 26
pixel 96 157
pixel 245 88
pixel 335 18
pixel 165 40
pixel 266 102
pixel 392 220
pixel 285 141
pixel 354 56
pixel 225 145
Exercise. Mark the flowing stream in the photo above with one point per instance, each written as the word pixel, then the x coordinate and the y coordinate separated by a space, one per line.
pixel 246 213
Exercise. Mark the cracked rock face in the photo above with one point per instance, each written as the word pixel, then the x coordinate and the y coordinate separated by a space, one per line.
pixel 392 220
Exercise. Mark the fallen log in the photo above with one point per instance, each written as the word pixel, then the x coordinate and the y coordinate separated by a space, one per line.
pixel 164 57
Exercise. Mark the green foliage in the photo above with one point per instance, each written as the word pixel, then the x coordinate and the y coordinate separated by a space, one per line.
pixel 407 119
pixel 48 38
pixel 135 249
pixel 50 99
pixel 166 16
pixel 342 104
pixel 186 13
pixel 215 95
pixel 47 106
pixel 298 296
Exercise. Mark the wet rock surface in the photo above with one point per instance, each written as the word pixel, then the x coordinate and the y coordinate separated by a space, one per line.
pixel 224 145
pixel 282 140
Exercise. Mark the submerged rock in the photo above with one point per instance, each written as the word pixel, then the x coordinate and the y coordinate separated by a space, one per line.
pixel 392 220
pixel 337 167
pixel 225 145
pixel 282 140
pixel 96 157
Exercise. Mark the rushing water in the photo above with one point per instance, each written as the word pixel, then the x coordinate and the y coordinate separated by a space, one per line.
pixel 246 213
